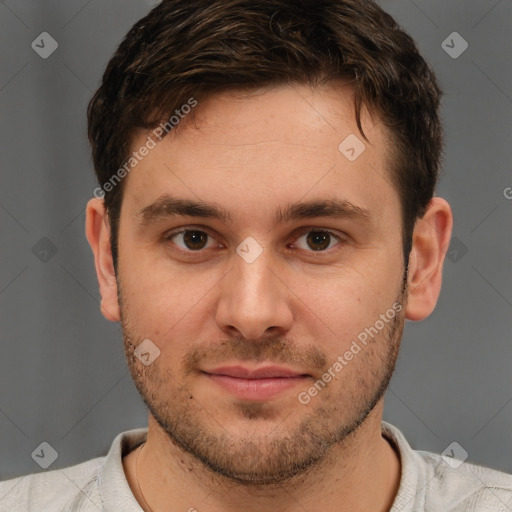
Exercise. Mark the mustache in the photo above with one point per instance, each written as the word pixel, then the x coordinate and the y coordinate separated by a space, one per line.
pixel 272 349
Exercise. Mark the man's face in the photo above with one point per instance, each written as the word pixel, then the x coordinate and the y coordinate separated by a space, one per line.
pixel 261 288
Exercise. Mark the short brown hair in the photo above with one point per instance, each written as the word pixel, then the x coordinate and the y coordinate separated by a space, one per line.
pixel 196 48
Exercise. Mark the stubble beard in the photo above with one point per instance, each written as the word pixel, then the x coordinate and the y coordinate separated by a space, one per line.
pixel 288 451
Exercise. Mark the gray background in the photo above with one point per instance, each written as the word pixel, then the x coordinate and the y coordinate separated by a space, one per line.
pixel 63 378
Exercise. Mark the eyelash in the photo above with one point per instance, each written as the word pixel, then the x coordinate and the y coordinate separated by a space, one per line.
pixel 304 231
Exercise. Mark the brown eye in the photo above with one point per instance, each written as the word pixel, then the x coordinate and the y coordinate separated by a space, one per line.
pixel 319 240
pixel 191 240
pixel 195 239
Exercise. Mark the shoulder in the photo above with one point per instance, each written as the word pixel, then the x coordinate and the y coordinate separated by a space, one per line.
pixel 85 487
pixel 466 486
pixel 442 482
pixel 72 488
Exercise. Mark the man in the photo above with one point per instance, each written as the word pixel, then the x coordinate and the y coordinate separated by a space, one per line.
pixel 265 222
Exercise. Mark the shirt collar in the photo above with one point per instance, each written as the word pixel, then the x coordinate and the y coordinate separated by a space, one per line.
pixel 114 488
pixel 116 493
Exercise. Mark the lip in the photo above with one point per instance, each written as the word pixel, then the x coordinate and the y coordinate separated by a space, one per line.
pixel 264 372
pixel 258 384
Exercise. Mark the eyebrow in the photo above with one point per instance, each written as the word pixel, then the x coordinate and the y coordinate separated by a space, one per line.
pixel 335 208
pixel 168 206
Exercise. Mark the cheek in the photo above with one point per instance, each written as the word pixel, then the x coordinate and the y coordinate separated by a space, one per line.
pixel 343 308
pixel 152 289
pixel 169 308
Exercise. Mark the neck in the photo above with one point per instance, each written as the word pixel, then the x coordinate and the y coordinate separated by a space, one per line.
pixel 362 473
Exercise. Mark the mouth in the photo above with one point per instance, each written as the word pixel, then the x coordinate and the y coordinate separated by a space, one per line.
pixel 258 384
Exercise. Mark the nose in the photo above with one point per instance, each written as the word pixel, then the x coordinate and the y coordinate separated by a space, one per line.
pixel 254 301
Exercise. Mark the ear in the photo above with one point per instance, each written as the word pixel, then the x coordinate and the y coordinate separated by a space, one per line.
pixel 430 242
pixel 97 230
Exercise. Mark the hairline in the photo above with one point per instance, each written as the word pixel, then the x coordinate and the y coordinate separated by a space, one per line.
pixel 393 154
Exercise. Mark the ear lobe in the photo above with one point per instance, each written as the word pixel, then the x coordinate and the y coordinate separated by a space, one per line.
pixel 97 230
pixel 431 239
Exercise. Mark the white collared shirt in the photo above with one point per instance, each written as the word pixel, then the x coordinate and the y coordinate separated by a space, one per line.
pixel 428 483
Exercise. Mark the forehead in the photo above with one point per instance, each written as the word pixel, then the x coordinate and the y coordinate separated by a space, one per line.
pixel 277 145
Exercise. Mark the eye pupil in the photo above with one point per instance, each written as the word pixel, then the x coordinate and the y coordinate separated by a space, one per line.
pixel 195 239
pixel 319 237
